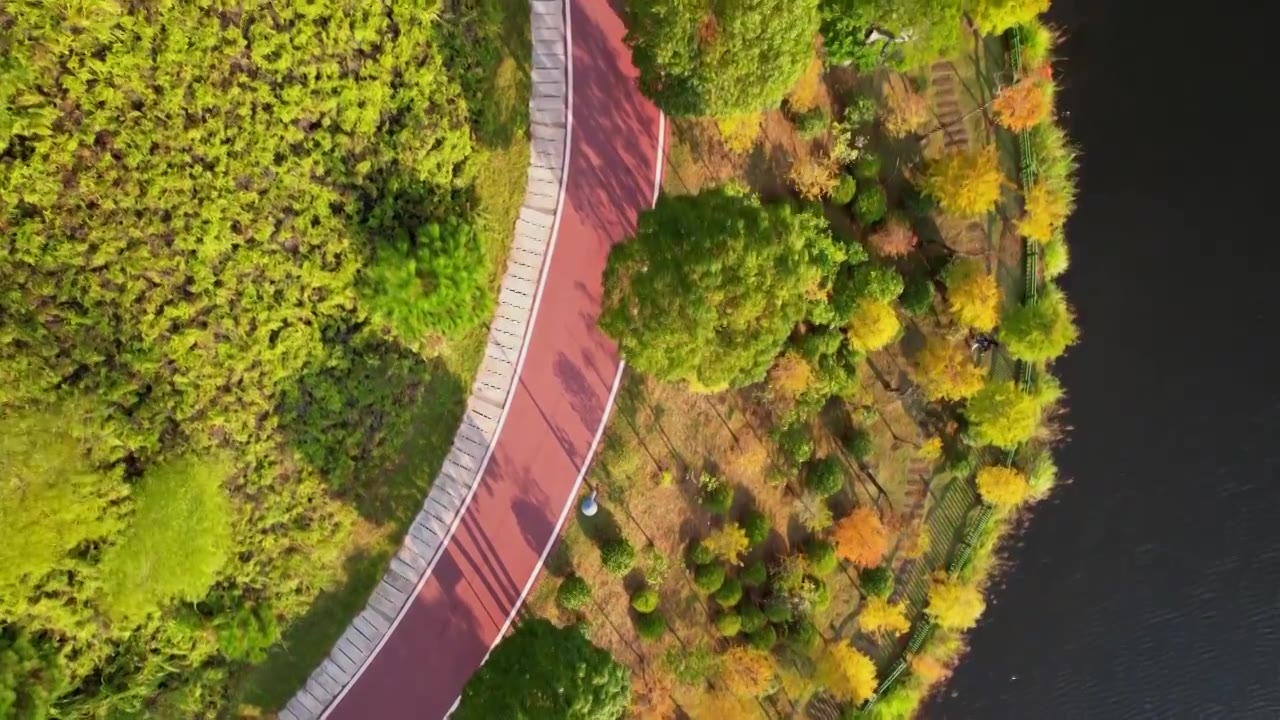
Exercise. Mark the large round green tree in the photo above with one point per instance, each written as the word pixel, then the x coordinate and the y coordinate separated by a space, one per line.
pixel 721 57
pixel 712 284
pixel 548 673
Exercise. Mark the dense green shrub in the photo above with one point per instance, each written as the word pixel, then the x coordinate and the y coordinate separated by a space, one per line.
pixel 877 281
pixel 651 626
pixel 918 204
pixel 573 594
pixel 729 593
pixel 1001 414
pixel 1056 257
pixel 752 618
pixel 700 554
pixel 683 297
pixel 861 111
pixel 537 656
pixel 825 477
pixel 728 624
pixel 845 190
pixel 871 205
pixel 756 525
pixel 645 600
pixel 247 632
pixel 617 556
pixel 764 638
pixel 795 442
pixel 778 611
pixel 754 574
pixel 876 581
pixel 934 29
pixel 821 556
pixel 1041 330
pixel 859 443
pixel 867 169
pixel 812 123
pixel 708 578
pixel 917 295
pixel 692 63
pixel 717 499
pixel 803 635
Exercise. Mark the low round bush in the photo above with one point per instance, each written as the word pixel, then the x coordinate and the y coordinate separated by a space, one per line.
pixel 700 554
pixel 573 594
pixel 917 295
pixel 821 594
pixel 752 618
pixel 861 110
pixel 918 204
pixel 803 635
pixel 754 574
pixel 729 593
pixel 764 638
pixel 651 626
pixel 645 600
pixel 729 624
pixel 824 477
pixel 719 499
pixel 756 526
pixel 821 556
pixel 867 167
pixel 708 578
pixel 844 190
pixel 777 611
pixel 617 556
pixel 858 443
pixel 812 123
pixel 876 581
pixel 877 281
pixel 796 443
pixel 871 205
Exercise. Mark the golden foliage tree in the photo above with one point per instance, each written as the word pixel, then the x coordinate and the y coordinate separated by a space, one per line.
pixel 747 672
pixel 790 375
pixel 894 239
pixel 739 132
pixel 906 110
pixel 878 616
pixel 972 294
pixel 966 184
pixel 1002 486
pixel 719 705
pixel 929 669
pixel 861 538
pixel 814 177
pixel 807 93
pixel 1022 105
pixel 872 326
pixel 955 605
pixel 847 673
pixel 946 369
pixel 1045 210
pixel 750 461
pixel 728 543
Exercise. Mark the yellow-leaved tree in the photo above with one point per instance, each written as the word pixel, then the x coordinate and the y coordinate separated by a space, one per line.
pixel 946 369
pixel 878 616
pixel 972 294
pixel 847 673
pixel 966 184
pixel 1045 209
pixel 861 538
pixel 1002 486
pixel 728 543
pixel 746 671
pixel 739 132
pixel 790 375
pixel 955 605
pixel 872 326
pixel 906 110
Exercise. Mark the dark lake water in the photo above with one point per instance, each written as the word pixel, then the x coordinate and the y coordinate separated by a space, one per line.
pixel 1150 586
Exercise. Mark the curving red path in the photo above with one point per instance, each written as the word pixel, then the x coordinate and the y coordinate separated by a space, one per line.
pixel 560 401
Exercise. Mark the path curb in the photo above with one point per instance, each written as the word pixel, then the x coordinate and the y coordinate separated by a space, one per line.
pixel 490 393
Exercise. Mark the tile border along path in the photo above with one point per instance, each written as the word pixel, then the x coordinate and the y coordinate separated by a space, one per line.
pixel 520 294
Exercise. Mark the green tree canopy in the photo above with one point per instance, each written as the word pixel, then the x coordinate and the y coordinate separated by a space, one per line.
pixel 932 28
pixel 177 541
pixel 1042 330
pixel 52 499
pixel 722 57
pixel 1001 414
pixel 712 284
pixel 542 672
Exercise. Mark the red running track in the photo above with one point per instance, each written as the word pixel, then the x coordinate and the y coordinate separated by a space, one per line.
pixel 559 402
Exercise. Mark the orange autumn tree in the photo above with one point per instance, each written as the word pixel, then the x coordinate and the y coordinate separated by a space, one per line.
pixel 1022 105
pixel 946 369
pixel 847 673
pixel 861 538
pixel 747 672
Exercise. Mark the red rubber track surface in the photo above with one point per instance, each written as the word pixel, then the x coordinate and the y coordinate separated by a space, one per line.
pixel 558 404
